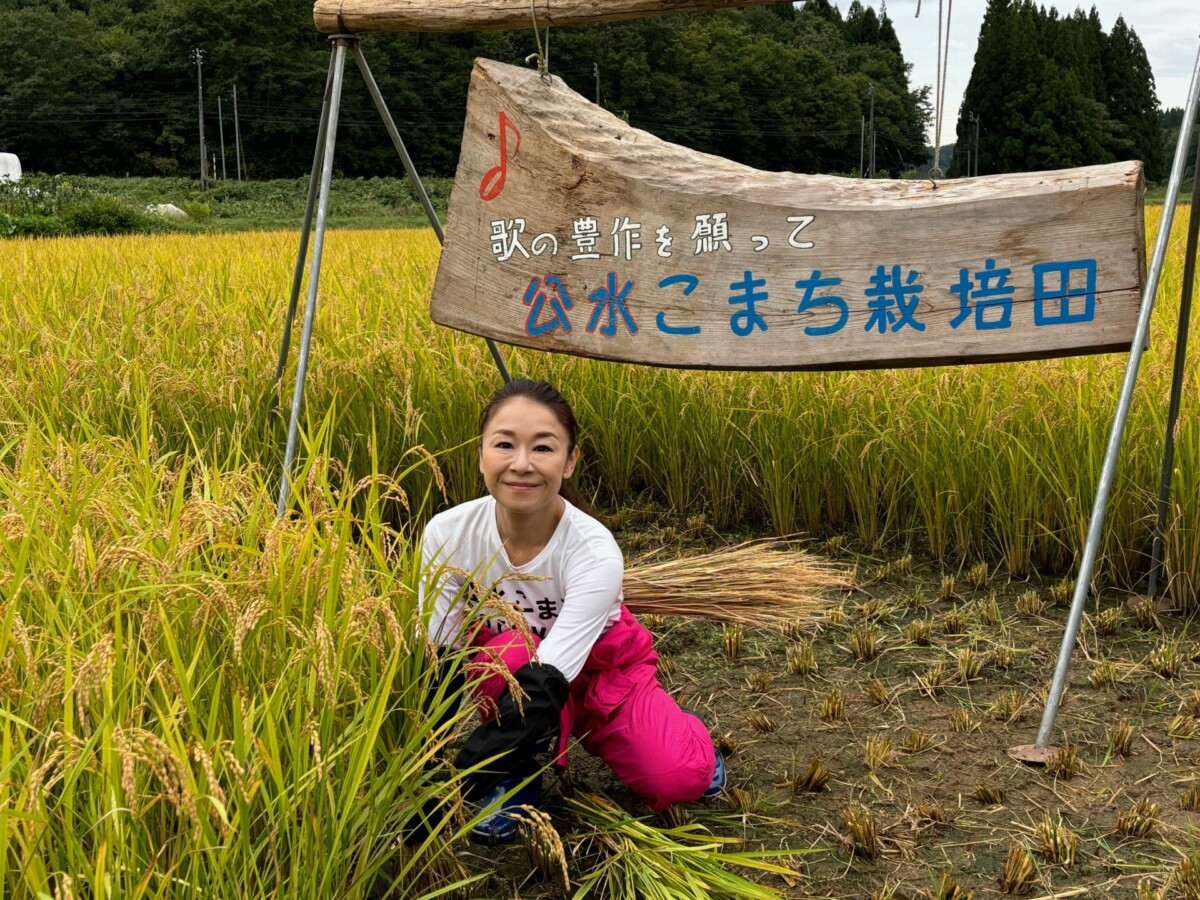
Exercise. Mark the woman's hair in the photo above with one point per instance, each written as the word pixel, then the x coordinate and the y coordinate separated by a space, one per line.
pixel 545 394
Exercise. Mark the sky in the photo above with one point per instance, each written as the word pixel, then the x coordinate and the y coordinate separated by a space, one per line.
pixel 1168 29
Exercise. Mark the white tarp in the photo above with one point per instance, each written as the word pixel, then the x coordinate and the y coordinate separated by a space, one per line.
pixel 10 167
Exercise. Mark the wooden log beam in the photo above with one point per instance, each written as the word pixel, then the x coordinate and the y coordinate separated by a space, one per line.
pixel 570 231
pixel 360 16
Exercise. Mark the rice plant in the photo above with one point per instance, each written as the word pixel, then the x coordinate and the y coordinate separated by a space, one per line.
pixel 954 621
pixel 731 637
pixel 759 682
pixel 1065 763
pixel 1138 821
pixel 947 887
pixel 988 794
pixel 762 723
pixel 1008 706
pixel 969 664
pixel 1060 594
pixel 1183 728
pixel 801 659
pixel 877 692
pixel 978 576
pixel 1166 661
pixel 625 856
pixel 544 847
pixel 1029 604
pixel 1104 674
pixel 1109 621
pixel 1190 705
pixel 1190 798
pixel 878 752
pixel 860 828
pixel 961 721
pixel 916 741
pixel 1056 842
pixel 1187 876
pixel 864 643
pixel 946 588
pixel 1145 616
pixel 1019 870
pixel 1120 738
pixel 812 780
pixel 919 632
pixel 934 680
pixel 832 707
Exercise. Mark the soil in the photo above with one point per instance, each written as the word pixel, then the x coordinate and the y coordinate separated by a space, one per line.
pixel 958 805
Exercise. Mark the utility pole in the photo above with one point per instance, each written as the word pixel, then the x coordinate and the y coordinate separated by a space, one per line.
pixel 871 170
pixel 198 55
pixel 596 72
pixel 862 142
pixel 221 131
pixel 237 136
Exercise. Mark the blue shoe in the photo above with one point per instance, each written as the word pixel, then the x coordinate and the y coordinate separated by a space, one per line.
pixel 718 779
pixel 500 827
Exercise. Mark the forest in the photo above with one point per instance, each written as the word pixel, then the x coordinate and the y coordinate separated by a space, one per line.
pixel 109 87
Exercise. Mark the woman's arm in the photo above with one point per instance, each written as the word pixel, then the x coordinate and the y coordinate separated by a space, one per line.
pixel 593 585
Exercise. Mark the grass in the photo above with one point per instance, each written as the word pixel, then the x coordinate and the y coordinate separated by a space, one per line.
pixel 197 694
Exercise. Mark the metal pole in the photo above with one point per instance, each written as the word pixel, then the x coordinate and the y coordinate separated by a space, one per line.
pixel 340 42
pixel 314 179
pixel 237 136
pixel 198 54
pixel 1181 342
pixel 415 179
pixel 221 131
pixel 596 70
pixel 1108 471
pixel 871 170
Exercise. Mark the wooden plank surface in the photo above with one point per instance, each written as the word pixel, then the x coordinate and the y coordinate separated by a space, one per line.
pixel 569 231
pixel 357 16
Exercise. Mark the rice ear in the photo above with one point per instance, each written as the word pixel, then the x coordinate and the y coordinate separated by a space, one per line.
pixel 760 583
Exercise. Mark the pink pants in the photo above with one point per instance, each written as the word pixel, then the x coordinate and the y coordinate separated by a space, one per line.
pixel 618 710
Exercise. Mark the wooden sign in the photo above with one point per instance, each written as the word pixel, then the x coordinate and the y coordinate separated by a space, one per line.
pixel 354 16
pixel 572 232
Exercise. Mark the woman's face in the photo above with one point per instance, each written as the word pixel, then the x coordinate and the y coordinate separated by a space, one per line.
pixel 525 455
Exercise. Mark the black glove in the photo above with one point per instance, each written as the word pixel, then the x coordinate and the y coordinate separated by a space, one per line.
pixel 514 731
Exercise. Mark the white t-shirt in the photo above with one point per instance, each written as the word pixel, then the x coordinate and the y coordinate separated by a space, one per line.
pixel 570 593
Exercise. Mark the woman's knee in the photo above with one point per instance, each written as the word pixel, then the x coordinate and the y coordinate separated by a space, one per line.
pixel 498 658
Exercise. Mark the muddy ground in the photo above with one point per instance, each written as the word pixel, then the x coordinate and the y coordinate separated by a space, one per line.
pixel 942 792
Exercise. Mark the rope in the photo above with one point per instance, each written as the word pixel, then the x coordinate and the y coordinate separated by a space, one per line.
pixel 939 90
pixel 543 52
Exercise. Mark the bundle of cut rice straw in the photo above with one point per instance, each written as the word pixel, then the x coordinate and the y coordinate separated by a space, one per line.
pixel 760 583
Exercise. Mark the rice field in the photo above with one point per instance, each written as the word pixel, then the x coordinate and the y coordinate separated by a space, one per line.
pixel 199 700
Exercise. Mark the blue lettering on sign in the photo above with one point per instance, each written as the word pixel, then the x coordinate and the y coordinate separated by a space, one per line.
pixel 690 283
pixel 609 299
pixel 993 292
pixel 745 321
pixel 809 303
pixel 887 291
pixel 1057 290
pixel 535 298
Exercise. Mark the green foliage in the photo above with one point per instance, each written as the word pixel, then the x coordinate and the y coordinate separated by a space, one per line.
pixel 197 212
pixel 113 91
pixel 1055 93
pixel 31 226
pixel 104 215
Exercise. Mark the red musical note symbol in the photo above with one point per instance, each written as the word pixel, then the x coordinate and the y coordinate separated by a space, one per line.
pixel 493 181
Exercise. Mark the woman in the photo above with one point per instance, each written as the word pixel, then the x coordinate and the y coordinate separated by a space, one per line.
pixel 584 665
